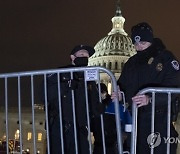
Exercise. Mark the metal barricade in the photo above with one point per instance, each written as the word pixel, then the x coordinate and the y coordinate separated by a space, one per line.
pixel 90 74
pixel 153 91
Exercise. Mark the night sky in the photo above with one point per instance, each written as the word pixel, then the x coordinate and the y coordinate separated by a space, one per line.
pixel 39 34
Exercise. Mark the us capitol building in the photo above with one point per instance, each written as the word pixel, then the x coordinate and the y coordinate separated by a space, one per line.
pixel 113 50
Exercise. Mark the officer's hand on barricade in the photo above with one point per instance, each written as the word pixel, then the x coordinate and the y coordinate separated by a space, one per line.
pixel 116 95
pixel 141 100
pixel 91 138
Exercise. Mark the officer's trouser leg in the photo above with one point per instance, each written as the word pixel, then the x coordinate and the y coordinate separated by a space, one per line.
pixel 83 143
pixel 54 139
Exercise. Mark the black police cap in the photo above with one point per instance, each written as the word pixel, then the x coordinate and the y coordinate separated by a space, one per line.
pixel 142 32
pixel 89 49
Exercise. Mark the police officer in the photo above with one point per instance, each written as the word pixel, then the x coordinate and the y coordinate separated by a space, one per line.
pixel 79 57
pixel 152 66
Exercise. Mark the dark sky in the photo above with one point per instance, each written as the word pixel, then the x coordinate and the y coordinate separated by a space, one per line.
pixel 39 34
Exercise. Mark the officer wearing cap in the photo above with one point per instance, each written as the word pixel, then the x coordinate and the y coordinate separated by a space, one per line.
pixel 80 54
pixel 79 57
pixel 152 66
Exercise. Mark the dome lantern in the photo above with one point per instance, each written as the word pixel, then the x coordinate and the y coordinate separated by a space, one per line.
pixel 118 22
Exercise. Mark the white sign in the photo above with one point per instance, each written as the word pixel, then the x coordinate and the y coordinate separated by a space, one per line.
pixel 91 75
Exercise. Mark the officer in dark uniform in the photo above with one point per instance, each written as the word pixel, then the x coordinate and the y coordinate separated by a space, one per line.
pixel 152 66
pixel 79 57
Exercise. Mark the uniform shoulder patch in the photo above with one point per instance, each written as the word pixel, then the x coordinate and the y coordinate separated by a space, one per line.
pixel 175 64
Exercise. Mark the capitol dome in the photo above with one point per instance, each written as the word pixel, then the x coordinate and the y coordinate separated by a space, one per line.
pixel 115 44
pixel 113 50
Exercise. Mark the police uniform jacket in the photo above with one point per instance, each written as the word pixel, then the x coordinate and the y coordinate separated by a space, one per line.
pixel 66 86
pixel 153 67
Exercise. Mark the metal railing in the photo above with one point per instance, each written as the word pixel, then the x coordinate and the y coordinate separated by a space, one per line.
pixel 153 91
pixel 90 74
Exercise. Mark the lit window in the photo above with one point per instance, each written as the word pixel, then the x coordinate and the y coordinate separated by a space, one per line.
pixel 28 150
pixel 4 137
pixel 39 136
pixel 117 25
pixel 16 136
pixel 29 136
pixel 109 88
